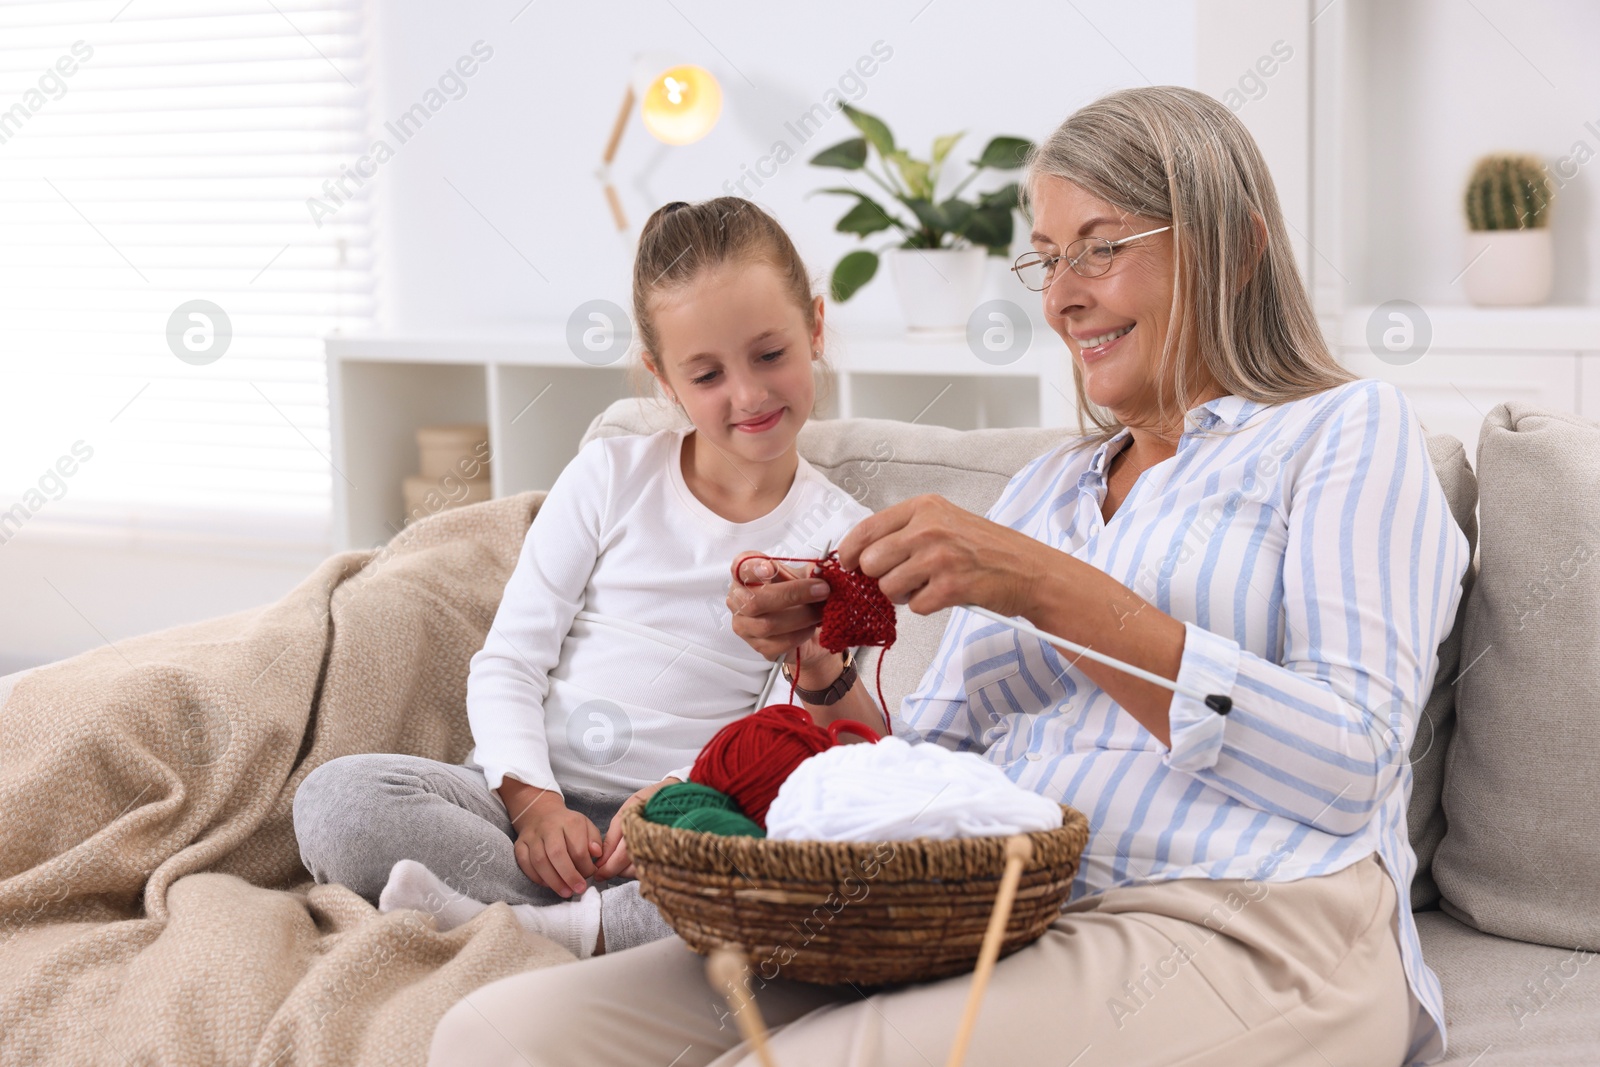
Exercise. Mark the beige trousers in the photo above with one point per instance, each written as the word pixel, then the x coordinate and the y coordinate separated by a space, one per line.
pixel 1192 972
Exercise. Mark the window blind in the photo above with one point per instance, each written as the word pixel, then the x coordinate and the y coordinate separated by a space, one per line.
pixel 164 285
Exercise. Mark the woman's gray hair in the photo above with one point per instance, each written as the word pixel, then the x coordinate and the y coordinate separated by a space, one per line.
pixel 1172 154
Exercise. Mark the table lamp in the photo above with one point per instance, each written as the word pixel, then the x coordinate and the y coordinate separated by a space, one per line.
pixel 679 102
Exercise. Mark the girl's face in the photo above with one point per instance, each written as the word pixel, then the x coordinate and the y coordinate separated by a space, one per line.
pixel 737 354
pixel 1134 295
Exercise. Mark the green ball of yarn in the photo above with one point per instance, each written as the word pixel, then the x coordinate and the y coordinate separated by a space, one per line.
pixel 670 804
pixel 719 821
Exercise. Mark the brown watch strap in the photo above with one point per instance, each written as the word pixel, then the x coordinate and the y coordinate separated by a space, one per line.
pixel 831 695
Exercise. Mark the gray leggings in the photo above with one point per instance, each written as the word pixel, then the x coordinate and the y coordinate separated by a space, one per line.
pixel 356 816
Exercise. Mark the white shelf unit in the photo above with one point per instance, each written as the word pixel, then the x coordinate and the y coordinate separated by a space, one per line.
pixel 537 399
pixel 1548 356
pixel 1391 141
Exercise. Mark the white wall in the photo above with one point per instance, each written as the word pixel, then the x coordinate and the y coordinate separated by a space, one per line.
pixel 64 598
pixel 1449 82
pixel 1255 56
pixel 523 144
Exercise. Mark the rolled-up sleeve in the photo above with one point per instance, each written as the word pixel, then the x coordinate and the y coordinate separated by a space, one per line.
pixel 1370 586
pixel 1210 664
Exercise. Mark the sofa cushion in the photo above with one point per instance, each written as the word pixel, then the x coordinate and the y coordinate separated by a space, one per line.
pixel 1521 850
pixel 1425 815
pixel 1509 1003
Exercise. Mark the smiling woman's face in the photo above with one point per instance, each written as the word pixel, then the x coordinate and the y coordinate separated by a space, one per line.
pixel 1136 292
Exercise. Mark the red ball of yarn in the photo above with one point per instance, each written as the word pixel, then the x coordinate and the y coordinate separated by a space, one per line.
pixel 750 758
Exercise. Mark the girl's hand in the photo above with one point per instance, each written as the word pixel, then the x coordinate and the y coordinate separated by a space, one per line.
pixel 929 554
pixel 614 858
pixel 780 612
pixel 555 846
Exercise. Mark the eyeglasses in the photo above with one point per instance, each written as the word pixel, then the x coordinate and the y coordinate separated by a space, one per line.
pixel 1089 257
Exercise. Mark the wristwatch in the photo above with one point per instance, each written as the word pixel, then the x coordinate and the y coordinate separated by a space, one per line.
pixel 831 695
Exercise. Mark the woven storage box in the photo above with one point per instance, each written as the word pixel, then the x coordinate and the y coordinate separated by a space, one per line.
pixel 453 449
pixel 872 913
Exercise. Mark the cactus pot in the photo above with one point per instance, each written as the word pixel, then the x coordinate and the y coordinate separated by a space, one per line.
pixel 1508 267
pixel 938 287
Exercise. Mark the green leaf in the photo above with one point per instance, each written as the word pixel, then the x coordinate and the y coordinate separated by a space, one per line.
pixel 842 190
pixel 863 199
pixel 957 214
pixel 846 155
pixel 992 227
pixel 913 172
pixel 851 273
pixel 873 127
pixel 866 217
pixel 1005 196
pixel 942 146
pixel 927 214
pixel 1003 153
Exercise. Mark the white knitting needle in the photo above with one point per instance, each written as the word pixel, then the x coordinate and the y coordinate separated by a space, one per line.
pixel 1217 702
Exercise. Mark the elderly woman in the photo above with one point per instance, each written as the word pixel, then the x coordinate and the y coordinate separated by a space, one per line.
pixel 1250 520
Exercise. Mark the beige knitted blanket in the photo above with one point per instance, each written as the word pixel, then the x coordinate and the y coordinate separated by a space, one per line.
pixel 153 907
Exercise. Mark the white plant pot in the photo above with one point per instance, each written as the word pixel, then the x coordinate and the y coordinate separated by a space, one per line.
pixel 938 287
pixel 1508 267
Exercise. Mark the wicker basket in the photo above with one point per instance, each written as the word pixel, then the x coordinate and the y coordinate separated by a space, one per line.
pixel 871 913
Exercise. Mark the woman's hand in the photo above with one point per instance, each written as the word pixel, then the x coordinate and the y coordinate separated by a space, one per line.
pixel 776 610
pixel 555 846
pixel 614 858
pixel 930 554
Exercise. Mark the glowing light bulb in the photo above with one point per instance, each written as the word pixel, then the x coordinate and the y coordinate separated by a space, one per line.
pixel 681 105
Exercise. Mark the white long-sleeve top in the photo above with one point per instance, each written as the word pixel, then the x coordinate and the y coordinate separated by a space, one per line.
pixel 612 658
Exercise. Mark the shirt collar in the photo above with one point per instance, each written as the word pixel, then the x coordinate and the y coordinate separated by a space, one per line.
pixel 1231 410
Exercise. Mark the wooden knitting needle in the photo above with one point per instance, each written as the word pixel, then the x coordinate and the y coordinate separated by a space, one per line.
pixel 1019 850
pixel 726 969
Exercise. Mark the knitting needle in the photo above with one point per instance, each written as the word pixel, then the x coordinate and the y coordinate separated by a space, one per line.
pixel 726 969
pixel 1019 850
pixel 1217 702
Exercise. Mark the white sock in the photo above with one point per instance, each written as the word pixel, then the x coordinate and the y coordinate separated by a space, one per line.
pixel 573 924
pixel 411 885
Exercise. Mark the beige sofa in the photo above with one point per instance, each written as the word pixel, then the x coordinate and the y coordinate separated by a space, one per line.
pixel 1502 815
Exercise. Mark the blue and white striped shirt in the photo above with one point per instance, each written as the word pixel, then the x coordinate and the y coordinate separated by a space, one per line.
pixel 1316 567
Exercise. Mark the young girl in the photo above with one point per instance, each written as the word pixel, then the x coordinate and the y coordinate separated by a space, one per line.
pixel 611 660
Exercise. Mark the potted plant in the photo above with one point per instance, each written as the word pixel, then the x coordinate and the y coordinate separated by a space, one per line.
pixel 1508 247
pixel 938 255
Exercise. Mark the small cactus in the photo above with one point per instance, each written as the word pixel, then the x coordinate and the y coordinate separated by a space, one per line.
pixel 1508 192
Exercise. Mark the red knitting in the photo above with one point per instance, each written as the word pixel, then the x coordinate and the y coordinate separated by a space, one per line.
pixel 855 615
pixel 856 612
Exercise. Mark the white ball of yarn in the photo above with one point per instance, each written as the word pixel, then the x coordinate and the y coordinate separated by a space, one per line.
pixel 894 791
